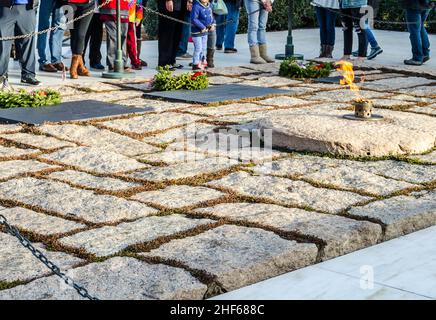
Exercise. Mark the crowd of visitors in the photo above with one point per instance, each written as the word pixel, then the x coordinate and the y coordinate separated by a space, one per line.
pixel 210 24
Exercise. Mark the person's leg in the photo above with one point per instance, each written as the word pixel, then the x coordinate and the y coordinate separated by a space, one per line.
pixel 361 34
pixel 96 40
pixel 253 21
pixel 45 10
pixel 261 31
pixel 166 30
pixel 25 24
pixel 321 16
pixel 111 34
pixel 177 36
pixel 124 30
pixel 370 36
pixel 347 27
pixel 424 36
pixel 204 48
pixel 413 18
pixel 211 41
pixel 196 57
pixel 220 30
pixel 186 31
pixel 8 18
pixel 57 36
pixel 330 25
pixel 131 46
pixel 80 29
pixel 232 26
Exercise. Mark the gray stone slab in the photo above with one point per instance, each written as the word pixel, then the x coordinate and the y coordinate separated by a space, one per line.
pixel 9 169
pixel 229 92
pixel 238 256
pixel 112 239
pixel 341 235
pixel 119 278
pixel 68 111
pixel 18 264
pixel 67 201
pixel 403 214
pixel 179 196
pixel 37 141
pixel 39 223
pixel 6 152
pixel 290 192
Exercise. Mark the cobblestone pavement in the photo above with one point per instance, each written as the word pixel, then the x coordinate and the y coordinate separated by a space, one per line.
pixel 138 207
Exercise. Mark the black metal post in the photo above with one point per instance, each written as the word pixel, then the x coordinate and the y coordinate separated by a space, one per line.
pixel 289 48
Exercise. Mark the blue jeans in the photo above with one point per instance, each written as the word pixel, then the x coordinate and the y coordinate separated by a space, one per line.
pixel 370 36
pixel 418 35
pixel 200 46
pixel 256 23
pixel 186 31
pixel 226 33
pixel 49 51
pixel 327 20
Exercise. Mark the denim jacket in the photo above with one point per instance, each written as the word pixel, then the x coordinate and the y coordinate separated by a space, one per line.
pixel 346 4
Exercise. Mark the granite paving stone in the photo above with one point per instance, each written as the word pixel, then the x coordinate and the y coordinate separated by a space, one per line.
pixel 109 240
pixel 71 202
pixel 9 169
pixel 249 254
pixel 179 196
pixel 119 278
pixel 290 192
pixel 37 141
pixel 6 152
pixel 341 235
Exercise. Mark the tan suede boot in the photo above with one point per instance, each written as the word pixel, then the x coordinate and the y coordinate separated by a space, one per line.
pixel 81 69
pixel 255 58
pixel 263 51
pixel 74 65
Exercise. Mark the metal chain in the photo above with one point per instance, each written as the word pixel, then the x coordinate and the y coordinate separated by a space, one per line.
pixel 41 257
pixel 62 25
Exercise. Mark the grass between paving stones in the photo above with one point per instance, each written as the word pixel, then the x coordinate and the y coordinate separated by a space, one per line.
pixel 9 285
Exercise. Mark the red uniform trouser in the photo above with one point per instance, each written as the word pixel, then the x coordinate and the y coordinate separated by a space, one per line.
pixel 131 44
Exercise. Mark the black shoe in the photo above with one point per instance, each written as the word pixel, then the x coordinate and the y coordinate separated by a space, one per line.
pixel 30 80
pixel 177 66
pixel 412 62
pixel 230 50
pixel 196 67
pixel 97 66
pixel 219 48
pixel 374 53
pixel 143 63
pixel 426 58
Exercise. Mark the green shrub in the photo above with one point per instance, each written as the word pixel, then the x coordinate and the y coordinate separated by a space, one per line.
pixel 33 99
pixel 165 80
pixel 293 68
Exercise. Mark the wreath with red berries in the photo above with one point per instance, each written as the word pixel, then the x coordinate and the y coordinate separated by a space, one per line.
pixel 298 69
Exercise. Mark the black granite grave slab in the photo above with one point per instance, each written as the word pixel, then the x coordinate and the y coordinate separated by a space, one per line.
pixel 335 80
pixel 227 92
pixel 68 111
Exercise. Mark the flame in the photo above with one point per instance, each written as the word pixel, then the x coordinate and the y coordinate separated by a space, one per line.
pixel 348 75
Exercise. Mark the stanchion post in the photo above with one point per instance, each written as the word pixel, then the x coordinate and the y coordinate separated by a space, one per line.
pixel 118 72
pixel 289 48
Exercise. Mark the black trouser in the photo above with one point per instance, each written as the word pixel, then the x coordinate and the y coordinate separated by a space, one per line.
pixel 94 36
pixel 78 33
pixel 18 20
pixel 350 18
pixel 169 33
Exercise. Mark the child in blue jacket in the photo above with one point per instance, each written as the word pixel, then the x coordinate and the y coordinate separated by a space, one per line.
pixel 202 22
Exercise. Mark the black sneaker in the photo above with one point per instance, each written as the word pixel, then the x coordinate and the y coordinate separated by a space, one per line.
pixel 219 48
pixel 355 53
pixel 426 58
pixel 230 50
pixel 97 66
pixel 30 80
pixel 374 53
pixel 412 62
pixel 177 66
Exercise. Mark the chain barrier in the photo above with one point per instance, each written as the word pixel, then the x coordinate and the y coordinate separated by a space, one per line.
pixel 41 257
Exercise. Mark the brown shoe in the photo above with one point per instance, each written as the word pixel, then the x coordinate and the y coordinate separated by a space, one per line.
pixel 81 69
pixel 48 68
pixel 74 65
pixel 60 66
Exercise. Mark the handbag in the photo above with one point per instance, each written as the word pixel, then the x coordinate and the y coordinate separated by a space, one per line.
pixel 219 7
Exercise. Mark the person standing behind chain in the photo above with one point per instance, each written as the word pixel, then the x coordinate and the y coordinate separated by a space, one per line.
pixel 257 12
pixel 228 26
pixel 18 17
pixel 94 36
pixel 49 45
pixel 326 13
pixel 170 31
pixel 135 18
pixel 203 22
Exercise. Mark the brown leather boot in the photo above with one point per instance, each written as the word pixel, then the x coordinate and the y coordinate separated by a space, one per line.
pixel 60 66
pixel 74 65
pixel 209 58
pixel 81 69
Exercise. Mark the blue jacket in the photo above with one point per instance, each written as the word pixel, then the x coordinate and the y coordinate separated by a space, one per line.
pixel 346 4
pixel 201 17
